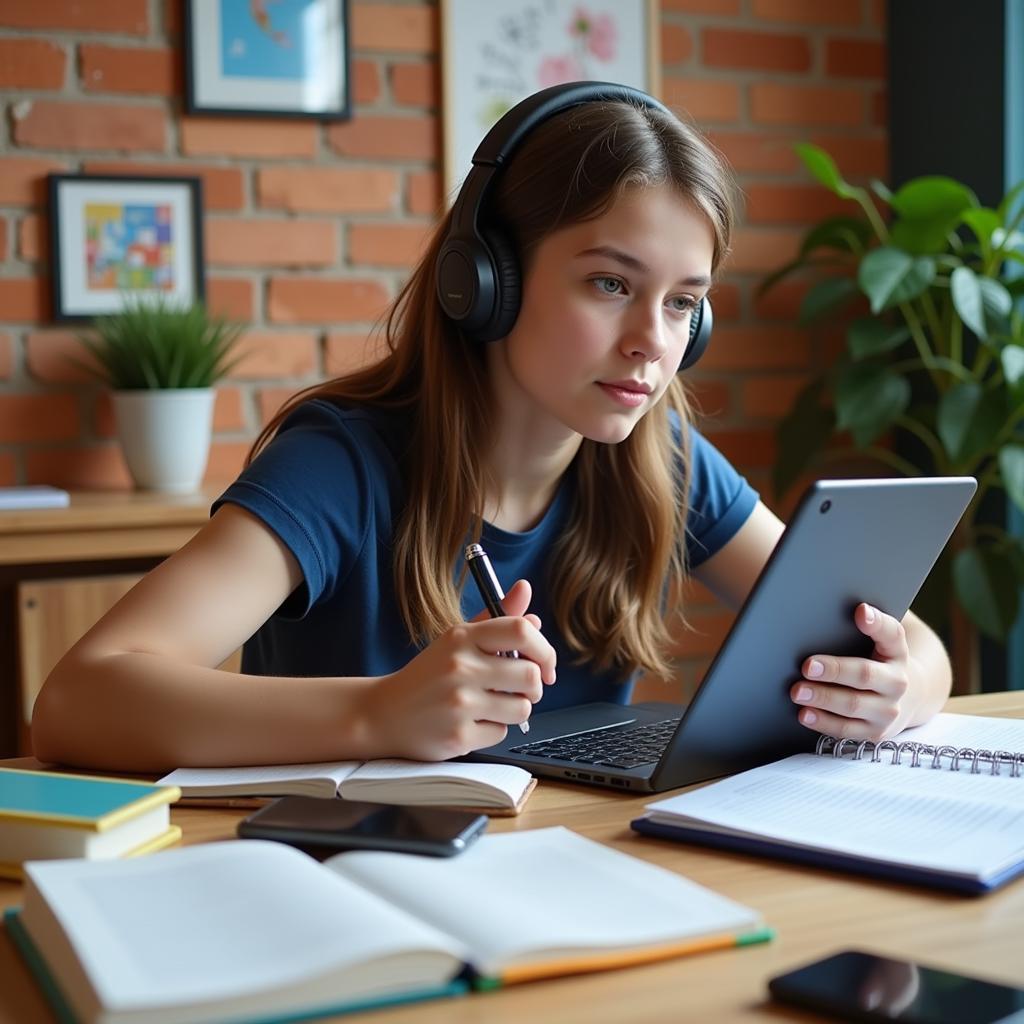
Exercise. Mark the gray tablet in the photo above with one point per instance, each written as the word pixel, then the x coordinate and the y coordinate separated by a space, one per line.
pixel 848 541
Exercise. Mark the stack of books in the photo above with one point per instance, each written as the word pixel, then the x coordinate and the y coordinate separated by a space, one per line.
pixel 46 815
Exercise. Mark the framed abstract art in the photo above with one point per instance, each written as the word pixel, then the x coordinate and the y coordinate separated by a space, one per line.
pixel 499 52
pixel 117 238
pixel 280 58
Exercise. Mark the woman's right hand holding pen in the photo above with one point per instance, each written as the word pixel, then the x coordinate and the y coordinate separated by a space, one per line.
pixel 456 696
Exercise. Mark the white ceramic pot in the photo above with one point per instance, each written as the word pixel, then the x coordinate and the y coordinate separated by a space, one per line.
pixel 165 436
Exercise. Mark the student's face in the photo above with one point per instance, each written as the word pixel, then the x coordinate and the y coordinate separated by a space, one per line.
pixel 605 317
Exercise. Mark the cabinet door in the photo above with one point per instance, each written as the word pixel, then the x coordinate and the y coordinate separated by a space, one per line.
pixel 52 616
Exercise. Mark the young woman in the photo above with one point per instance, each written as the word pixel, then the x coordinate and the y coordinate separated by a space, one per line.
pixel 565 446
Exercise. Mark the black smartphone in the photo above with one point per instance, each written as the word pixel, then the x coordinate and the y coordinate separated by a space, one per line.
pixel 859 986
pixel 328 825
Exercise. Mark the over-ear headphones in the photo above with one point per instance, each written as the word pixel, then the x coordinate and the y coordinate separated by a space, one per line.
pixel 478 280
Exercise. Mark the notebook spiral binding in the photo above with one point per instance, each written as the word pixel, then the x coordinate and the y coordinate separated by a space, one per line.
pixel 996 759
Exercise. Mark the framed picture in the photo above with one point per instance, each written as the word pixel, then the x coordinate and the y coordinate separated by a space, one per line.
pixel 283 58
pixel 115 238
pixel 499 52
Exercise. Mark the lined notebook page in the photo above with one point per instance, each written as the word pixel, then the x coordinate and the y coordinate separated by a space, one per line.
pixel 969 731
pixel 950 821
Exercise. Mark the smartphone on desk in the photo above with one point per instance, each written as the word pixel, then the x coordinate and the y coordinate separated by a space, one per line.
pixel 328 825
pixel 857 986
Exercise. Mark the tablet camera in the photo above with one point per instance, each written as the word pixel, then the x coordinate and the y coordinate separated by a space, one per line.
pixel 825 506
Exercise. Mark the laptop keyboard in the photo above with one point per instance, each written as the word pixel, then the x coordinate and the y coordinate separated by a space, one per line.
pixel 618 747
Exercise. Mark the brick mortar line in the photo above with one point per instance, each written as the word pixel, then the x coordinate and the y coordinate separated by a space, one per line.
pixel 74 36
pixel 144 101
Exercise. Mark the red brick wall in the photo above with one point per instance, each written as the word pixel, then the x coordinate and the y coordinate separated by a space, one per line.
pixel 311 228
pixel 759 75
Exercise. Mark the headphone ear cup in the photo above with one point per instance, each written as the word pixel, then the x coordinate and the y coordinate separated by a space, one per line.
pixel 701 322
pixel 508 288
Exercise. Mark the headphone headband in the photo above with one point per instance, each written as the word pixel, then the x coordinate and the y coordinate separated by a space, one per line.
pixel 478 278
pixel 509 130
pixel 515 124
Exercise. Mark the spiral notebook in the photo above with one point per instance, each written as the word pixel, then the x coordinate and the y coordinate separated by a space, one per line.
pixel 941 804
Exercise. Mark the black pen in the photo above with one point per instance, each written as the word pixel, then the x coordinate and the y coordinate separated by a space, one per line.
pixel 482 571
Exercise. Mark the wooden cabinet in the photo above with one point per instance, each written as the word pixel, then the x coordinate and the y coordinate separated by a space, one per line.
pixel 61 569
pixel 52 615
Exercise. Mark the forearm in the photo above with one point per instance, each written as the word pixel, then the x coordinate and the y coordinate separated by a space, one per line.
pixel 931 672
pixel 142 712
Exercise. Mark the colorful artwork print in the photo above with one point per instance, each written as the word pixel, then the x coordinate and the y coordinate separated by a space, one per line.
pixel 541 45
pixel 128 246
pixel 498 52
pixel 266 38
pixel 592 38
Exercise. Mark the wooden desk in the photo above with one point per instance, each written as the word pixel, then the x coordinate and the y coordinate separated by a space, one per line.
pixel 101 536
pixel 103 525
pixel 814 912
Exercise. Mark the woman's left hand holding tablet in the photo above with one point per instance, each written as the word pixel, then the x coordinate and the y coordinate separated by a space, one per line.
pixel 860 698
pixel 456 696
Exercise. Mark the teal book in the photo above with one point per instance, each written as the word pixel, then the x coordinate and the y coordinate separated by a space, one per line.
pixel 52 815
pixel 259 931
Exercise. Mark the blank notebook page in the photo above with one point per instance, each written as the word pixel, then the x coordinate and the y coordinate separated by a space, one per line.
pixel 218 920
pixel 505 777
pixel 546 889
pixel 258 774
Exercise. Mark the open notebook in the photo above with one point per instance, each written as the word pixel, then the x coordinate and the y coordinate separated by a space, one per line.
pixel 258 930
pixel 942 805
pixel 497 789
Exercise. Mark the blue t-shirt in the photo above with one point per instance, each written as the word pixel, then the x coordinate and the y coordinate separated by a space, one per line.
pixel 330 487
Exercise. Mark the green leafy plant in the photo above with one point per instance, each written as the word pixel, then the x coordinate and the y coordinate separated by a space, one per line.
pixel 158 345
pixel 936 369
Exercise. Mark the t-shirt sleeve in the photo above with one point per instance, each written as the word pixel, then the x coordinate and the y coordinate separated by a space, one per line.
pixel 721 500
pixel 310 486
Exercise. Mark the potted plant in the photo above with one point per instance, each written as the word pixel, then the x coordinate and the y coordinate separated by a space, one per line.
pixel 932 377
pixel 161 361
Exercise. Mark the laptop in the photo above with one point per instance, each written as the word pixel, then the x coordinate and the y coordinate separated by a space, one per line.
pixel 848 541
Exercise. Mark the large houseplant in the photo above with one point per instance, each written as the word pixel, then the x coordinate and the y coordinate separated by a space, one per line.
pixel 161 361
pixel 932 377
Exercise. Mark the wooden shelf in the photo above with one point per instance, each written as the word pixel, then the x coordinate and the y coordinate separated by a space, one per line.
pixel 103 525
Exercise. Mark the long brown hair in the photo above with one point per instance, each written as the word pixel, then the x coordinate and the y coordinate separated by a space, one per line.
pixel 616 555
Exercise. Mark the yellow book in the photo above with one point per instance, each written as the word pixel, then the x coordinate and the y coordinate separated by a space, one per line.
pixel 50 815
